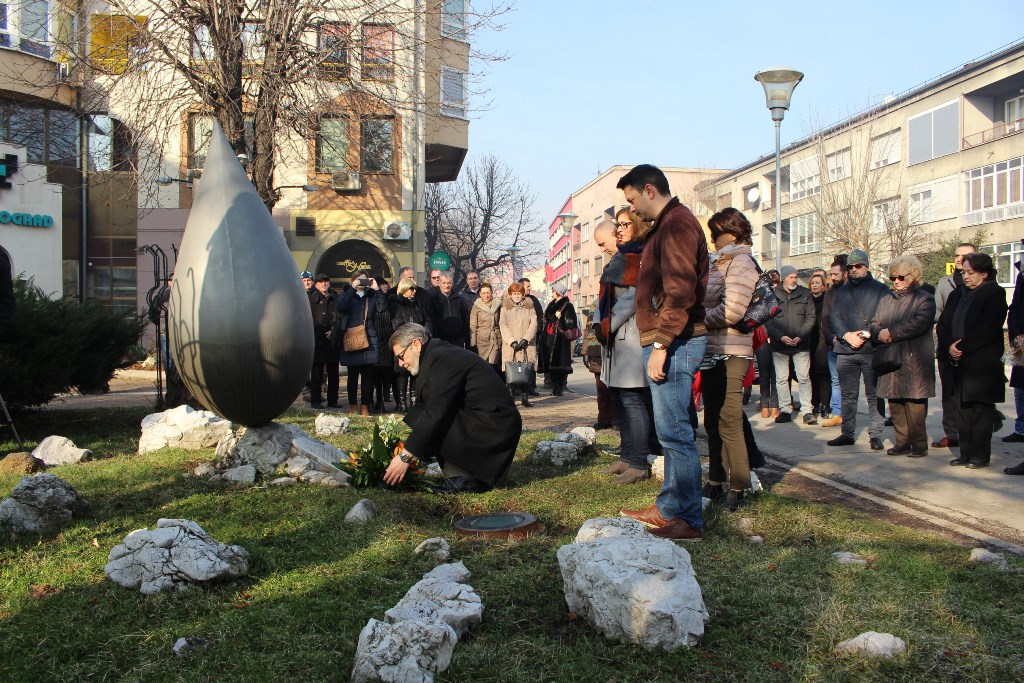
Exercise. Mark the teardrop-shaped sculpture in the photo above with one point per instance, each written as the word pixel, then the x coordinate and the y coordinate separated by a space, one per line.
pixel 240 324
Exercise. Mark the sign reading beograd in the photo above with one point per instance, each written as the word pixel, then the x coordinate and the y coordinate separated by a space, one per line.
pixel 28 220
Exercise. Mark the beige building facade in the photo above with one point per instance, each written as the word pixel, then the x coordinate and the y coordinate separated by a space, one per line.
pixel 942 161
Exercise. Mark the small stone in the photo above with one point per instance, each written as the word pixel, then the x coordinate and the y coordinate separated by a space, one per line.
pixel 243 474
pixel 755 483
pixel 589 434
pixel 575 439
pixel 361 512
pixel 331 425
pixel 283 482
pixel 438 547
pixel 872 644
pixel 745 525
pixel 989 557
pixel 206 469
pixel 657 463
pixel 21 463
pixel 455 604
pixel 756 540
pixel 264 447
pixel 846 557
pixel 704 502
pixel 454 572
pixel 403 652
pixel 558 453
pixel 433 471
pixel 41 505
pixel 58 450
pixel 182 427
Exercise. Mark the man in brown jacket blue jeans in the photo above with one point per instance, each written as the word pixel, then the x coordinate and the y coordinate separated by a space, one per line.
pixel 670 317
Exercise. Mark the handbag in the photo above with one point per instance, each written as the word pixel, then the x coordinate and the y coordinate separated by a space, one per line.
pixel 764 302
pixel 571 334
pixel 887 358
pixel 355 337
pixel 520 372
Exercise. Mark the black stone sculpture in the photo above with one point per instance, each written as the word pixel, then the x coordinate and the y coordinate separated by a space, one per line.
pixel 240 324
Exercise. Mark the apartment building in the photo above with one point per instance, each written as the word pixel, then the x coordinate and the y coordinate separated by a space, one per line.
pixel 596 201
pixel 941 161
pixel 86 92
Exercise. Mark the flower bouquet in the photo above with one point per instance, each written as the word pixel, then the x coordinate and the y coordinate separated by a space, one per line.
pixel 367 464
pixel 1015 356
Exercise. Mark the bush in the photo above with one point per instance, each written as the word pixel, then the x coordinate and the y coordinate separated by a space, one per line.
pixel 55 345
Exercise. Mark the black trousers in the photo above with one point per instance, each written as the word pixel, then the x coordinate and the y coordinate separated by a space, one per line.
pixel 325 360
pixel 360 375
pixel 974 422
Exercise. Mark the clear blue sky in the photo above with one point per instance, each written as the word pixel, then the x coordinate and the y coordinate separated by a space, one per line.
pixel 592 83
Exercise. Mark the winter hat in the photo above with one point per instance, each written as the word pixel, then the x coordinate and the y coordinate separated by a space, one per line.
pixel 323 276
pixel 559 288
pixel 858 256
pixel 306 274
pixel 786 271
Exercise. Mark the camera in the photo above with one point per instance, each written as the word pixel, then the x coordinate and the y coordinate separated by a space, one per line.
pixel 363 282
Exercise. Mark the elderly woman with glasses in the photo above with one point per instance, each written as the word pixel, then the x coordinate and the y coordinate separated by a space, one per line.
pixel 902 328
pixel 971 330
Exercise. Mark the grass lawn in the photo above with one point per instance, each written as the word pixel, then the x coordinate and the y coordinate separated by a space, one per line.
pixel 777 610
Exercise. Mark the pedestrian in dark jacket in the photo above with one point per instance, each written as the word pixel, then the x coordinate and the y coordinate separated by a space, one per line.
pixel 406 308
pixel 790 334
pixel 556 349
pixel 821 380
pixel 383 373
pixel 1015 332
pixel 943 288
pixel 325 357
pixel 451 317
pixel 538 309
pixel 837 275
pixel 971 330
pixel 853 310
pixel 357 306
pixel 904 321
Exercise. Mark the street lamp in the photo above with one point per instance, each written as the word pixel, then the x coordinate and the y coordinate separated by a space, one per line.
pixel 513 254
pixel 779 83
pixel 568 220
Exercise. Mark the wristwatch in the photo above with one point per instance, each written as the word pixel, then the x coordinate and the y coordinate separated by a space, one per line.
pixel 406 457
pixel 659 345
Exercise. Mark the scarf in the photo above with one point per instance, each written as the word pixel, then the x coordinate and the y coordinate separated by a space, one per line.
pixel 623 270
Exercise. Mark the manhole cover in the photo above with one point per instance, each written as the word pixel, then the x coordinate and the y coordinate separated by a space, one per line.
pixel 500 525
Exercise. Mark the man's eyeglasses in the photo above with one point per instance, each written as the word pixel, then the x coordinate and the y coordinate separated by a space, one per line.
pixel 435 277
pixel 901 278
pixel 401 356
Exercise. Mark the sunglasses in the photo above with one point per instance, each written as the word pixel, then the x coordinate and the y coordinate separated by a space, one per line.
pixel 901 278
pixel 856 265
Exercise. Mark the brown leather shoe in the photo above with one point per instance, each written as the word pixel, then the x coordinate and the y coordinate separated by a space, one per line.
pixel 678 530
pixel 765 412
pixel 632 475
pixel 619 467
pixel 354 410
pixel 833 421
pixel 649 516
pixel 774 413
pixel 364 410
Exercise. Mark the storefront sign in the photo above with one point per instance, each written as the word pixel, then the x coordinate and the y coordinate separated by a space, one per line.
pixel 28 220
pixel 343 260
pixel 440 261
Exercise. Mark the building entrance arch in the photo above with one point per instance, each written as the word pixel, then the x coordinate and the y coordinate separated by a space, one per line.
pixel 343 260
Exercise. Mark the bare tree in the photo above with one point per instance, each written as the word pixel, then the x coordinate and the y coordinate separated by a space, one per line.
pixel 476 219
pixel 267 70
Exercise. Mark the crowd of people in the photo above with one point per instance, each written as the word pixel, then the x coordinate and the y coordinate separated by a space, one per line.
pixel 352 328
pixel 672 316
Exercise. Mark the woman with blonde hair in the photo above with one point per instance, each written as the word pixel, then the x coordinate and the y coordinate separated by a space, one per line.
pixel 518 325
pixel 484 334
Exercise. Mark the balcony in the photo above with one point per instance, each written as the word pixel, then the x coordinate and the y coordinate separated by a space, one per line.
pixel 1001 130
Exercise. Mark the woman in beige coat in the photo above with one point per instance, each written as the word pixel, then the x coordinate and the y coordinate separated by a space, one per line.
pixel 483 326
pixel 518 331
pixel 731 281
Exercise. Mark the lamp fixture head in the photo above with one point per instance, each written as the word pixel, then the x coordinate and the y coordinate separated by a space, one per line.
pixel 568 220
pixel 778 82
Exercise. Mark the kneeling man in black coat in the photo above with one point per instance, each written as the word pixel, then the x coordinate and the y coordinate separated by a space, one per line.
pixel 464 415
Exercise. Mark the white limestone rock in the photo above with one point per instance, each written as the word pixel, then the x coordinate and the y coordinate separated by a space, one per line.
pixel 406 652
pixel 282 482
pixel 755 483
pixel 437 547
pixel 361 512
pixel 611 527
pixel 335 479
pixel 59 450
pixel 263 447
pixel 433 471
pixel 641 589
pixel 331 425
pixel 41 504
pixel 558 453
pixel 184 646
pixel 575 439
pixel 745 525
pixel 455 604
pixel 455 572
pixel 989 557
pixel 756 540
pixel 846 557
pixel 182 427
pixel 322 456
pixel 176 554
pixel 872 644
pixel 588 434
pixel 657 463
pixel 243 474
pixel 205 470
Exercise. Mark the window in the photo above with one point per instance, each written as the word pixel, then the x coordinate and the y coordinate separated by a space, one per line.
pixel 113 40
pixel 453 92
pixel 752 197
pixel 62 141
pixel 202 45
pixel 254 49
pixel 27 128
pixel 332 145
pixel 803 234
pixel 804 178
pixel 838 165
pixel 378 52
pixel 200 130
pixel 934 201
pixel 586 268
pixel 453 19
pixel 934 133
pixel 33 18
pixel 1014 114
pixel 376 145
pixel 5 37
pixel 585 236
pixel 885 149
pixel 1005 257
pixel 885 215
pixel 994 192
pixel 576 266
pixel 598 265
pixel 333 41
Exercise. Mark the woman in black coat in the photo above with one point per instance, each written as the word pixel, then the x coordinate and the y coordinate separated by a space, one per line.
pixel 406 308
pixel 556 349
pixel 358 305
pixel 821 380
pixel 971 330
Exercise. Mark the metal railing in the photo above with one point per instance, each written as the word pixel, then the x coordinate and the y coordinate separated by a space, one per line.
pixel 1002 130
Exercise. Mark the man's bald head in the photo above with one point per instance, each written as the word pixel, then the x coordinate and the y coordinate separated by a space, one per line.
pixel 604 236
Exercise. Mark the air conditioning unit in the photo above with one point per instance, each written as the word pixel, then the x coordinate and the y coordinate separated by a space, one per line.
pixel 194 173
pixel 345 180
pixel 396 231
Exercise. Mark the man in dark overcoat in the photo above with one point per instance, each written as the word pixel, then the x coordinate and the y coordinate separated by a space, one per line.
pixel 1014 329
pixel 464 415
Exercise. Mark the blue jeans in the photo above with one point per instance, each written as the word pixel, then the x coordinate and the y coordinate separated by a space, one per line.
pixel 1018 398
pixel 837 394
pixel 633 411
pixel 680 494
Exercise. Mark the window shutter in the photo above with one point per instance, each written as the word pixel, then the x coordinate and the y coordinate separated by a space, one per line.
pixel 920 131
pixel 946 130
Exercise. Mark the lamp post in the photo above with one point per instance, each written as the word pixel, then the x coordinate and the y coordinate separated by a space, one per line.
pixel 513 254
pixel 568 220
pixel 779 83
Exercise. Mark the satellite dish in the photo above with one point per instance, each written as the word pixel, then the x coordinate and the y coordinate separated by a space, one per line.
pixel 753 194
pixel 575 279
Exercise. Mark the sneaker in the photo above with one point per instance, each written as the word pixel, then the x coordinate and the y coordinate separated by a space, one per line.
pixel 810 419
pixel 782 417
pixel 842 440
pixel 1013 438
pixel 834 421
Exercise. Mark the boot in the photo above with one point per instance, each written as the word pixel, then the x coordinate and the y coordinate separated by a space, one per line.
pixel 526 399
pixel 364 410
pixel 631 476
